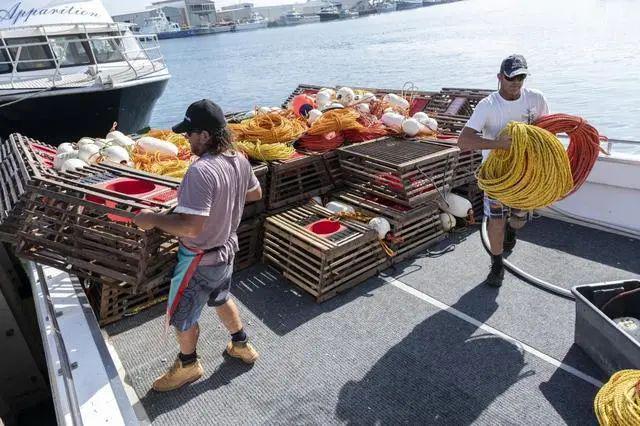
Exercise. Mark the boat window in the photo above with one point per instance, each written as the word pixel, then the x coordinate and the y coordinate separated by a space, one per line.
pixel 5 60
pixel 106 49
pixel 70 50
pixel 35 53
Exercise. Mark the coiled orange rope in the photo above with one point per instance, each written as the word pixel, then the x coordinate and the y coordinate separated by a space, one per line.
pixel 272 127
pixel 584 143
pixel 321 143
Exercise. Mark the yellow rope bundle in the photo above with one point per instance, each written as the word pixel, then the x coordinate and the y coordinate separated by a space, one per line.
pixel 270 127
pixel 533 174
pixel 618 401
pixel 266 152
pixel 336 120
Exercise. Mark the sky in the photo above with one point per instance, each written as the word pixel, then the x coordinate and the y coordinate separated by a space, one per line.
pixel 115 7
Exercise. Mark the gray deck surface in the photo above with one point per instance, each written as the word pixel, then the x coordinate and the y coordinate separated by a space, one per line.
pixel 378 354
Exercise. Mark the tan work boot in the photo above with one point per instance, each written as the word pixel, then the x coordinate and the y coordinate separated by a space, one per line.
pixel 243 350
pixel 178 376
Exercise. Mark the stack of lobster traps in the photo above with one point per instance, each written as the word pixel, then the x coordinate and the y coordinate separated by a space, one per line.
pixel 319 252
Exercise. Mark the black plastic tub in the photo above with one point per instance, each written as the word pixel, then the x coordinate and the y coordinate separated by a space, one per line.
pixel 612 347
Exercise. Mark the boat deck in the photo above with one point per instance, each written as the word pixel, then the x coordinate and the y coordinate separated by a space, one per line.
pixel 426 342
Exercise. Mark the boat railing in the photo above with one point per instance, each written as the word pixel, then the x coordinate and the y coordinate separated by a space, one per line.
pixel 102 49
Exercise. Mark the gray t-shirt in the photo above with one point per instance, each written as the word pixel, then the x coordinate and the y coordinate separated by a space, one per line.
pixel 216 186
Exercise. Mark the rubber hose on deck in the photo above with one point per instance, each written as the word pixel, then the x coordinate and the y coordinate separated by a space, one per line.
pixel 552 288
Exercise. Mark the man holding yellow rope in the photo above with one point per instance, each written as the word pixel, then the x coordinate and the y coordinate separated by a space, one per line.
pixel 512 102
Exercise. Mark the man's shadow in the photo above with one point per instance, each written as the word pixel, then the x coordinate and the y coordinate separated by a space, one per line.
pixel 443 371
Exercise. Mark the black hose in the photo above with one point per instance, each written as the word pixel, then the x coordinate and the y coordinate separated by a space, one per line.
pixel 528 278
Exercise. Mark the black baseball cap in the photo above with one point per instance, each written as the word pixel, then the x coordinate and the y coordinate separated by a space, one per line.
pixel 514 65
pixel 201 115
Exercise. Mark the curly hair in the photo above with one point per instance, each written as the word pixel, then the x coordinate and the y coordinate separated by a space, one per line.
pixel 221 141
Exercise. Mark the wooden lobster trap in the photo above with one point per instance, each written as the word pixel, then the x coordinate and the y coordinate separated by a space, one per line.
pixel 249 243
pixel 13 185
pixel 296 179
pixel 302 89
pixel 468 162
pixel 255 208
pixel 456 102
pixel 412 229
pixel 407 172
pixel 112 303
pixel 319 253
pixel 82 221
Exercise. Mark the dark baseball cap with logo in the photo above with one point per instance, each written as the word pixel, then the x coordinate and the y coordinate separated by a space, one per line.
pixel 514 65
pixel 202 115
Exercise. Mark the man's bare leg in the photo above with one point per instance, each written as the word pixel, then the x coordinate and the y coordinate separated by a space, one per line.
pixel 230 316
pixel 188 340
pixel 238 347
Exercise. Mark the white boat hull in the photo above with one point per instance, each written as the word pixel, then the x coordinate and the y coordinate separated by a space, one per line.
pixel 610 198
pixel 251 26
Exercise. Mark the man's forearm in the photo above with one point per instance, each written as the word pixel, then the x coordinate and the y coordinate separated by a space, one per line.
pixel 173 224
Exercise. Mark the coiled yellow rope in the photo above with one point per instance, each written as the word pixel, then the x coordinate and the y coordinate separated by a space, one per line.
pixel 618 401
pixel 266 152
pixel 270 127
pixel 533 174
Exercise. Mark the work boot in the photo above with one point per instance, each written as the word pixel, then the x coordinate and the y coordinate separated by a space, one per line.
pixel 496 275
pixel 178 376
pixel 243 350
pixel 509 238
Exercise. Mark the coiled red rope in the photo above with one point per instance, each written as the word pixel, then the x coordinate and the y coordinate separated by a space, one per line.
pixel 584 143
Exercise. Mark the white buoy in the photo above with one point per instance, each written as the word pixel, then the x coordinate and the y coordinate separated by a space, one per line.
pixel 89 153
pixel 314 114
pixel 60 159
pixel 412 127
pixel 338 207
pixel 456 205
pixel 65 147
pixel 317 200
pixel 392 119
pixel 431 124
pixel 396 100
pixel 448 221
pixel 381 225
pixel 421 116
pixel 345 96
pixel 364 108
pixel 73 164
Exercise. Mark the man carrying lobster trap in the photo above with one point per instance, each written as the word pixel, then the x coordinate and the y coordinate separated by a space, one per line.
pixel 211 199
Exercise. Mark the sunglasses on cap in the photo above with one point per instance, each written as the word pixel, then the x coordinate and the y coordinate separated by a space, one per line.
pixel 519 77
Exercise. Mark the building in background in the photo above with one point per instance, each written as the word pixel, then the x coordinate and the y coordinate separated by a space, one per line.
pixel 185 13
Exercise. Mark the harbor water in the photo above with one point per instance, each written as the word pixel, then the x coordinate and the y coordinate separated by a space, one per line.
pixel 583 54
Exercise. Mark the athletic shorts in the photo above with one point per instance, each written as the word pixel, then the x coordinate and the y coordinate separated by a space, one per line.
pixel 209 284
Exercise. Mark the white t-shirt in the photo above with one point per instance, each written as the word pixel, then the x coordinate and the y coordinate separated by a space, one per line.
pixel 494 112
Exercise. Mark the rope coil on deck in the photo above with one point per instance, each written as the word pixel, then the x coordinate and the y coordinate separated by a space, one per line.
pixel 618 401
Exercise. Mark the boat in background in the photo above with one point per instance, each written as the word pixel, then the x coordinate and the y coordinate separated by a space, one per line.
pixel 408 4
pixel 386 6
pixel 256 22
pixel 65 76
pixel 329 13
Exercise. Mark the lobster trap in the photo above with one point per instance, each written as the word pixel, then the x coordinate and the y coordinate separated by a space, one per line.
pixel 255 208
pixel 81 221
pixel 298 178
pixel 249 243
pixel 407 172
pixel 412 229
pixel 455 102
pixel 468 163
pixel 321 254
